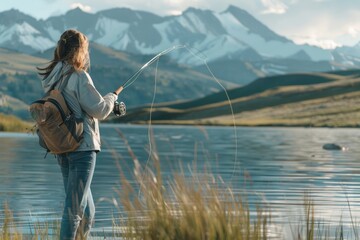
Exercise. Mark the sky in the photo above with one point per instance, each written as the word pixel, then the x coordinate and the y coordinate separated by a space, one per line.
pixel 324 23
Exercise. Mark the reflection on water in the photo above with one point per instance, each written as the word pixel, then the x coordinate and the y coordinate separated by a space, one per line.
pixel 274 166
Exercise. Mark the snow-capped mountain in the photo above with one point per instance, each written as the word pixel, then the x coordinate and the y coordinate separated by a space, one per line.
pixel 231 34
pixel 22 32
pixel 348 55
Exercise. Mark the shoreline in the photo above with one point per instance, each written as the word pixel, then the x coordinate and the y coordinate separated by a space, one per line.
pixel 227 124
pixel 203 124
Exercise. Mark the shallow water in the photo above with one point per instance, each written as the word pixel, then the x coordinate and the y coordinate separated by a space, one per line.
pixel 273 166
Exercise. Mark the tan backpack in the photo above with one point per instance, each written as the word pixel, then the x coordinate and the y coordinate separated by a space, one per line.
pixel 58 129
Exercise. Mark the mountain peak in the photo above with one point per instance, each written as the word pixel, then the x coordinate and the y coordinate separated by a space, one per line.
pixel 197 11
pixel 11 11
pixel 192 9
pixel 77 11
pixel 14 15
pixel 129 15
pixel 203 21
pixel 232 8
pixel 301 55
pixel 254 25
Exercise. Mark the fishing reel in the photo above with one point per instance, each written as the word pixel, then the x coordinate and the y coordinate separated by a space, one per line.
pixel 119 109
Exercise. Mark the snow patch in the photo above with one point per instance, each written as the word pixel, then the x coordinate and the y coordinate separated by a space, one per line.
pixel 111 31
pixel 230 23
pixel 122 42
pixel 164 30
pixel 37 42
pixel 54 33
pixel 192 23
pixel 27 35
pixel 212 48
pixel 273 69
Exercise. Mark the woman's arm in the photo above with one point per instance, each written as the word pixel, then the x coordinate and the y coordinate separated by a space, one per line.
pixel 91 100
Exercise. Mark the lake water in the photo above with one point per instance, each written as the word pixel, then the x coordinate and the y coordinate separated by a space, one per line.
pixel 272 166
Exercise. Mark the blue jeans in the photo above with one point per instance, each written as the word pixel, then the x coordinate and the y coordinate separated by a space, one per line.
pixel 77 169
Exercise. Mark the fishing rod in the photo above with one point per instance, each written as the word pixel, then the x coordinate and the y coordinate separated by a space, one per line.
pixel 120 107
pixel 133 78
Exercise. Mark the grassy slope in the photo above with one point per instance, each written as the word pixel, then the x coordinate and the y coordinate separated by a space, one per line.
pixel 13 124
pixel 323 99
pixel 12 62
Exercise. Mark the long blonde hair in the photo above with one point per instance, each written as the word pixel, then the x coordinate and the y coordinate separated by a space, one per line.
pixel 73 48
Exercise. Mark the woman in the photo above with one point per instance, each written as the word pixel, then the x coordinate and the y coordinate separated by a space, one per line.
pixel 71 61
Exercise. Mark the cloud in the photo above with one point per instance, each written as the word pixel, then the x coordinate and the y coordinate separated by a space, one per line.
pixel 174 12
pixel 314 41
pixel 83 7
pixel 173 2
pixel 354 31
pixel 274 6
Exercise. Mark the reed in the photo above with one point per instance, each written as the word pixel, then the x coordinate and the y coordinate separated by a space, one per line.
pixel 196 207
pixel 8 226
pixel 188 210
pixel 37 230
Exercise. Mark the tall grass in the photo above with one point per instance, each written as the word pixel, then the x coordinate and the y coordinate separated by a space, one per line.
pixel 8 227
pixel 201 207
pixel 311 228
pixel 187 209
pixel 37 230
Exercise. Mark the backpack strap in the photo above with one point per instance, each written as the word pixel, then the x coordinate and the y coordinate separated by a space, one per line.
pixel 61 84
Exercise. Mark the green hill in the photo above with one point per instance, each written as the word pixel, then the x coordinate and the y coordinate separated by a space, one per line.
pixel 12 62
pixel 109 69
pixel 318 99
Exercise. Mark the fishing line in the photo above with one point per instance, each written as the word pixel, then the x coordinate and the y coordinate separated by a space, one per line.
pixel 156 58
pixel 150 114
pixel 229 101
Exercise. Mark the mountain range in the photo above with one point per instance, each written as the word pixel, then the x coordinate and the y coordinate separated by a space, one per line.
pixel 233 39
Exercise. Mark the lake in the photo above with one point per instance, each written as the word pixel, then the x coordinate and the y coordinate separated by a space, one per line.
pixel 271 166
